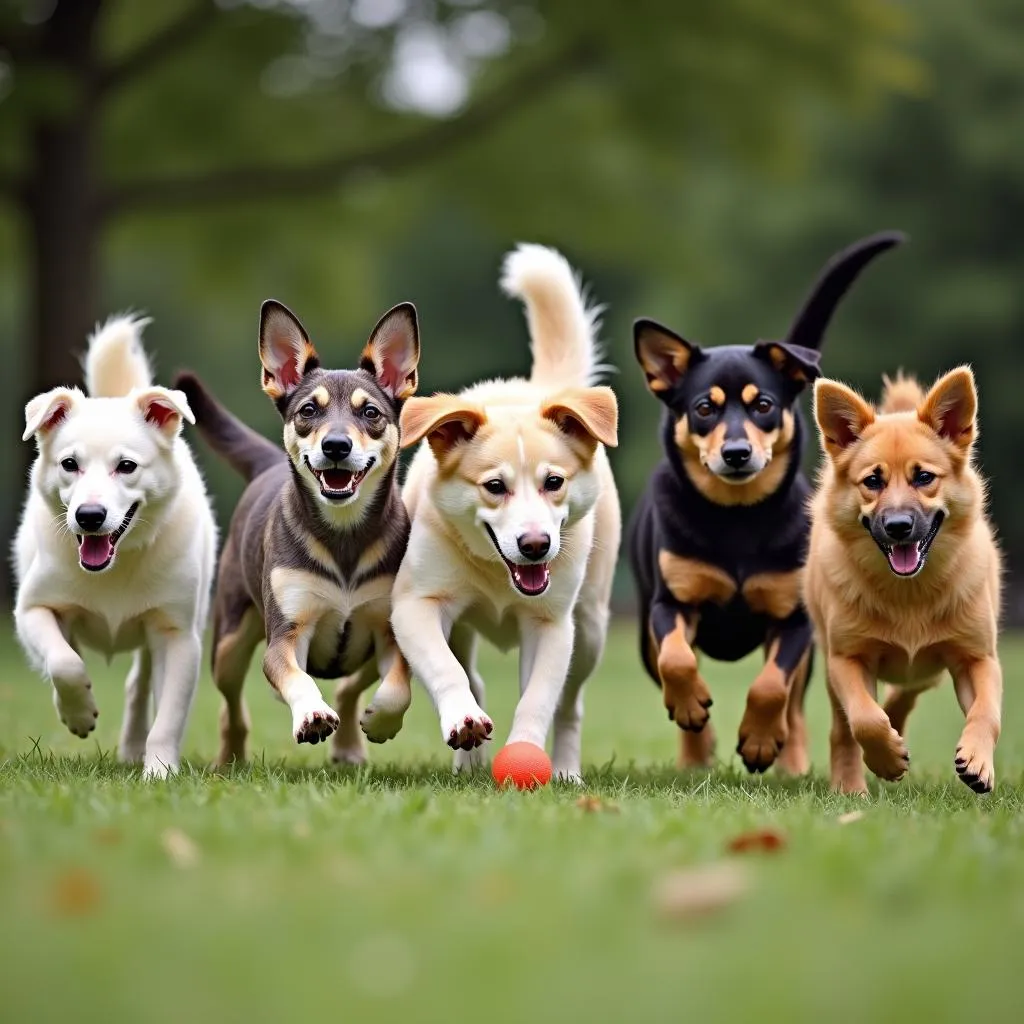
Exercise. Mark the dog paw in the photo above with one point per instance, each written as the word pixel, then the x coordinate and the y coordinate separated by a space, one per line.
pixel 76 707
pixel 159 765
pixel 348 753
pixel 313 721
pixel 465 726
pixel 688 706
pixel 380 722
pixel 974 765
pixel 567 773
pixel 885 753
pixel 763 730
pixel 473 760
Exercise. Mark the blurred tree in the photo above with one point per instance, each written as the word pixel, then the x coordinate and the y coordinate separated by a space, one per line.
pixel 116 113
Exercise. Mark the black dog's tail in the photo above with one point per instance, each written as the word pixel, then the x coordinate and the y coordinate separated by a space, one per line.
pixel 246 451
pixel 840 272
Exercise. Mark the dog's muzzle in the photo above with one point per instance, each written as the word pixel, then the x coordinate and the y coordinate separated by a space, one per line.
pixel 904 536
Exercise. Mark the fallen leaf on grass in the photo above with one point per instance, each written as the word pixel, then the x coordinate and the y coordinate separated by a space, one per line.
pixel 849 817
pixel 182 851
pixel 698 892
pixel 593 804
pixel 768 840
pixel 75 893
pixel 107 835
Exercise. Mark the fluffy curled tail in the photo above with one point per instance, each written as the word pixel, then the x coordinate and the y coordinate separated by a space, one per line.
pixel 563 327
pixel 903 394
pixel 241 447
pixel 116 362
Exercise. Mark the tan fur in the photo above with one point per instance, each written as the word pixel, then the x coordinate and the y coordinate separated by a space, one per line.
pixel 685 694
pixel 900 394
pixel 749 393
pixel 774 593
pixel 694 582
pixel 873 625
pixel 717 396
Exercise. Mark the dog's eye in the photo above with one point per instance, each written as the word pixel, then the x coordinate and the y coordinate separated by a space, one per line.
pixel 554 483
pixel 763 404
pixel 69 465
pixel 309 409
pixel 126 466
pixel 922 478
pixel 874 482
pixel 496 487
pixel 371 412
pixel 704 408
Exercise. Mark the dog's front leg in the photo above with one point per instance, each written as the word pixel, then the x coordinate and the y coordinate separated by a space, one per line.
pixel 176 655
pixel 544 656
pixel 313 719
pixel 382 717
pixel 422 628
pixel 764 730
pixel 44 641
pixel 979 689
pixel 857 715
pixel 686 696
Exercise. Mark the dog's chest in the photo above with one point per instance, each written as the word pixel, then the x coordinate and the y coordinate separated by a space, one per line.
pixel 499 625
pixel 103 634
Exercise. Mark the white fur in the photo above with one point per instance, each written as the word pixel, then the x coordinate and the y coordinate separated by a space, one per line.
pixel 154 595
pixel 452 584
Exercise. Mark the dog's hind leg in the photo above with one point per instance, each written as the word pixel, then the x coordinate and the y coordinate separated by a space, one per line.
pixel 463 643
pixel 347 743
pixel 794 758
pixel 138 692
pixel 899 702
pixel 591 634
pixel 236 640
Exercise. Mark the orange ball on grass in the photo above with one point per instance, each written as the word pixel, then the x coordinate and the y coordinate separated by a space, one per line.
pixel 523 765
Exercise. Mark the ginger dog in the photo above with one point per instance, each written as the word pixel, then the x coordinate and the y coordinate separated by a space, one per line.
pixel 903 574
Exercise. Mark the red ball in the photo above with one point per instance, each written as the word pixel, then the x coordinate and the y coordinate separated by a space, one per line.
pixel 524 765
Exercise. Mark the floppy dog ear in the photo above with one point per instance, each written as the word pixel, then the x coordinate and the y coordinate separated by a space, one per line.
pixel 798 364
pixel 951 407
pixel 286 352
pixel 842 415
pixel 47 410
pixel 663 355
pixel 587 415
pixel 444 420
pixel 393 351
pixel 164 409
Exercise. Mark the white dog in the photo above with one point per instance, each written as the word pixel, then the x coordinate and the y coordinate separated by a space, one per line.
pixel 115 550
pixel 515 525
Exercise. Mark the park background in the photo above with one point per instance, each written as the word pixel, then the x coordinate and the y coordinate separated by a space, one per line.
pixel 696 162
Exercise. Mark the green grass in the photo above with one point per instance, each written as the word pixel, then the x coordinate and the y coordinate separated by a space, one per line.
pixel 397 893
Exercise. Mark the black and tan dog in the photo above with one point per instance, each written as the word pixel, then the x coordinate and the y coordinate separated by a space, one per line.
pixel 318 534
pixel 719 538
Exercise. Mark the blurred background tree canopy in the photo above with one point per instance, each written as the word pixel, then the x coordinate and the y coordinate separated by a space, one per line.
pixel 697 162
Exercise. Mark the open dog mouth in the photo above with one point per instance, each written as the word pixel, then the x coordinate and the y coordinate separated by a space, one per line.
pixel 530 579
pixel 908 559
pixel 96 550
pixel 339 484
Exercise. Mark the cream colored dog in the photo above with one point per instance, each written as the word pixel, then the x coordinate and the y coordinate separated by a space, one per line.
pixel 516 525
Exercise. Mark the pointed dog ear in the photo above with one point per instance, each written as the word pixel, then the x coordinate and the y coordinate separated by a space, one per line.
pixel 663 355
pixel 393 351
pixel 46 411
pixel 286 352
pixel 842 415
pixel 798 364
pixel 589 416
pixel 951 407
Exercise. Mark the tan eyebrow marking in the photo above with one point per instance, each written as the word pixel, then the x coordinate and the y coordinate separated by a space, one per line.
pixel 717 395
pixel 359 399
pixel 322 397
pixel 750 392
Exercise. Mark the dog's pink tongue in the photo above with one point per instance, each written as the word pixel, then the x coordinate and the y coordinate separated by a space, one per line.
pixel 96 550
pixel 905 558
pixel 532 577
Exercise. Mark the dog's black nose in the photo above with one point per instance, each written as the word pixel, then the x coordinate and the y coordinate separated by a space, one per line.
pixel 336 446
pixel 91 517
pixel 898 525
pixel 736 454
pixel 534 545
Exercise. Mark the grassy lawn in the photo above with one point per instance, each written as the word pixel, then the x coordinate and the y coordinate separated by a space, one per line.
pixel 395 893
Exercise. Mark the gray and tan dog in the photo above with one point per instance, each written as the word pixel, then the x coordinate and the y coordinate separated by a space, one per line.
pixel 317 536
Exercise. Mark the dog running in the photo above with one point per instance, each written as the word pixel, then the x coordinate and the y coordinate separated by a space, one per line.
pixel 719 536
pixel 317 536
pixel 116 546
pixel 903 574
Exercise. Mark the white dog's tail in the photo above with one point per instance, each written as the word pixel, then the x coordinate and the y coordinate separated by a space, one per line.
pixel 563 328
pixel 116 362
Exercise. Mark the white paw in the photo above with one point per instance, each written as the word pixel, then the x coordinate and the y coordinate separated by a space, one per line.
pixel 76 707
pixel 159 766
pixel 568 774
pixel 348 755
pixel 382 719
pixel 464 724
pixel 469 760
pixel 313 720
pixel 131 750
